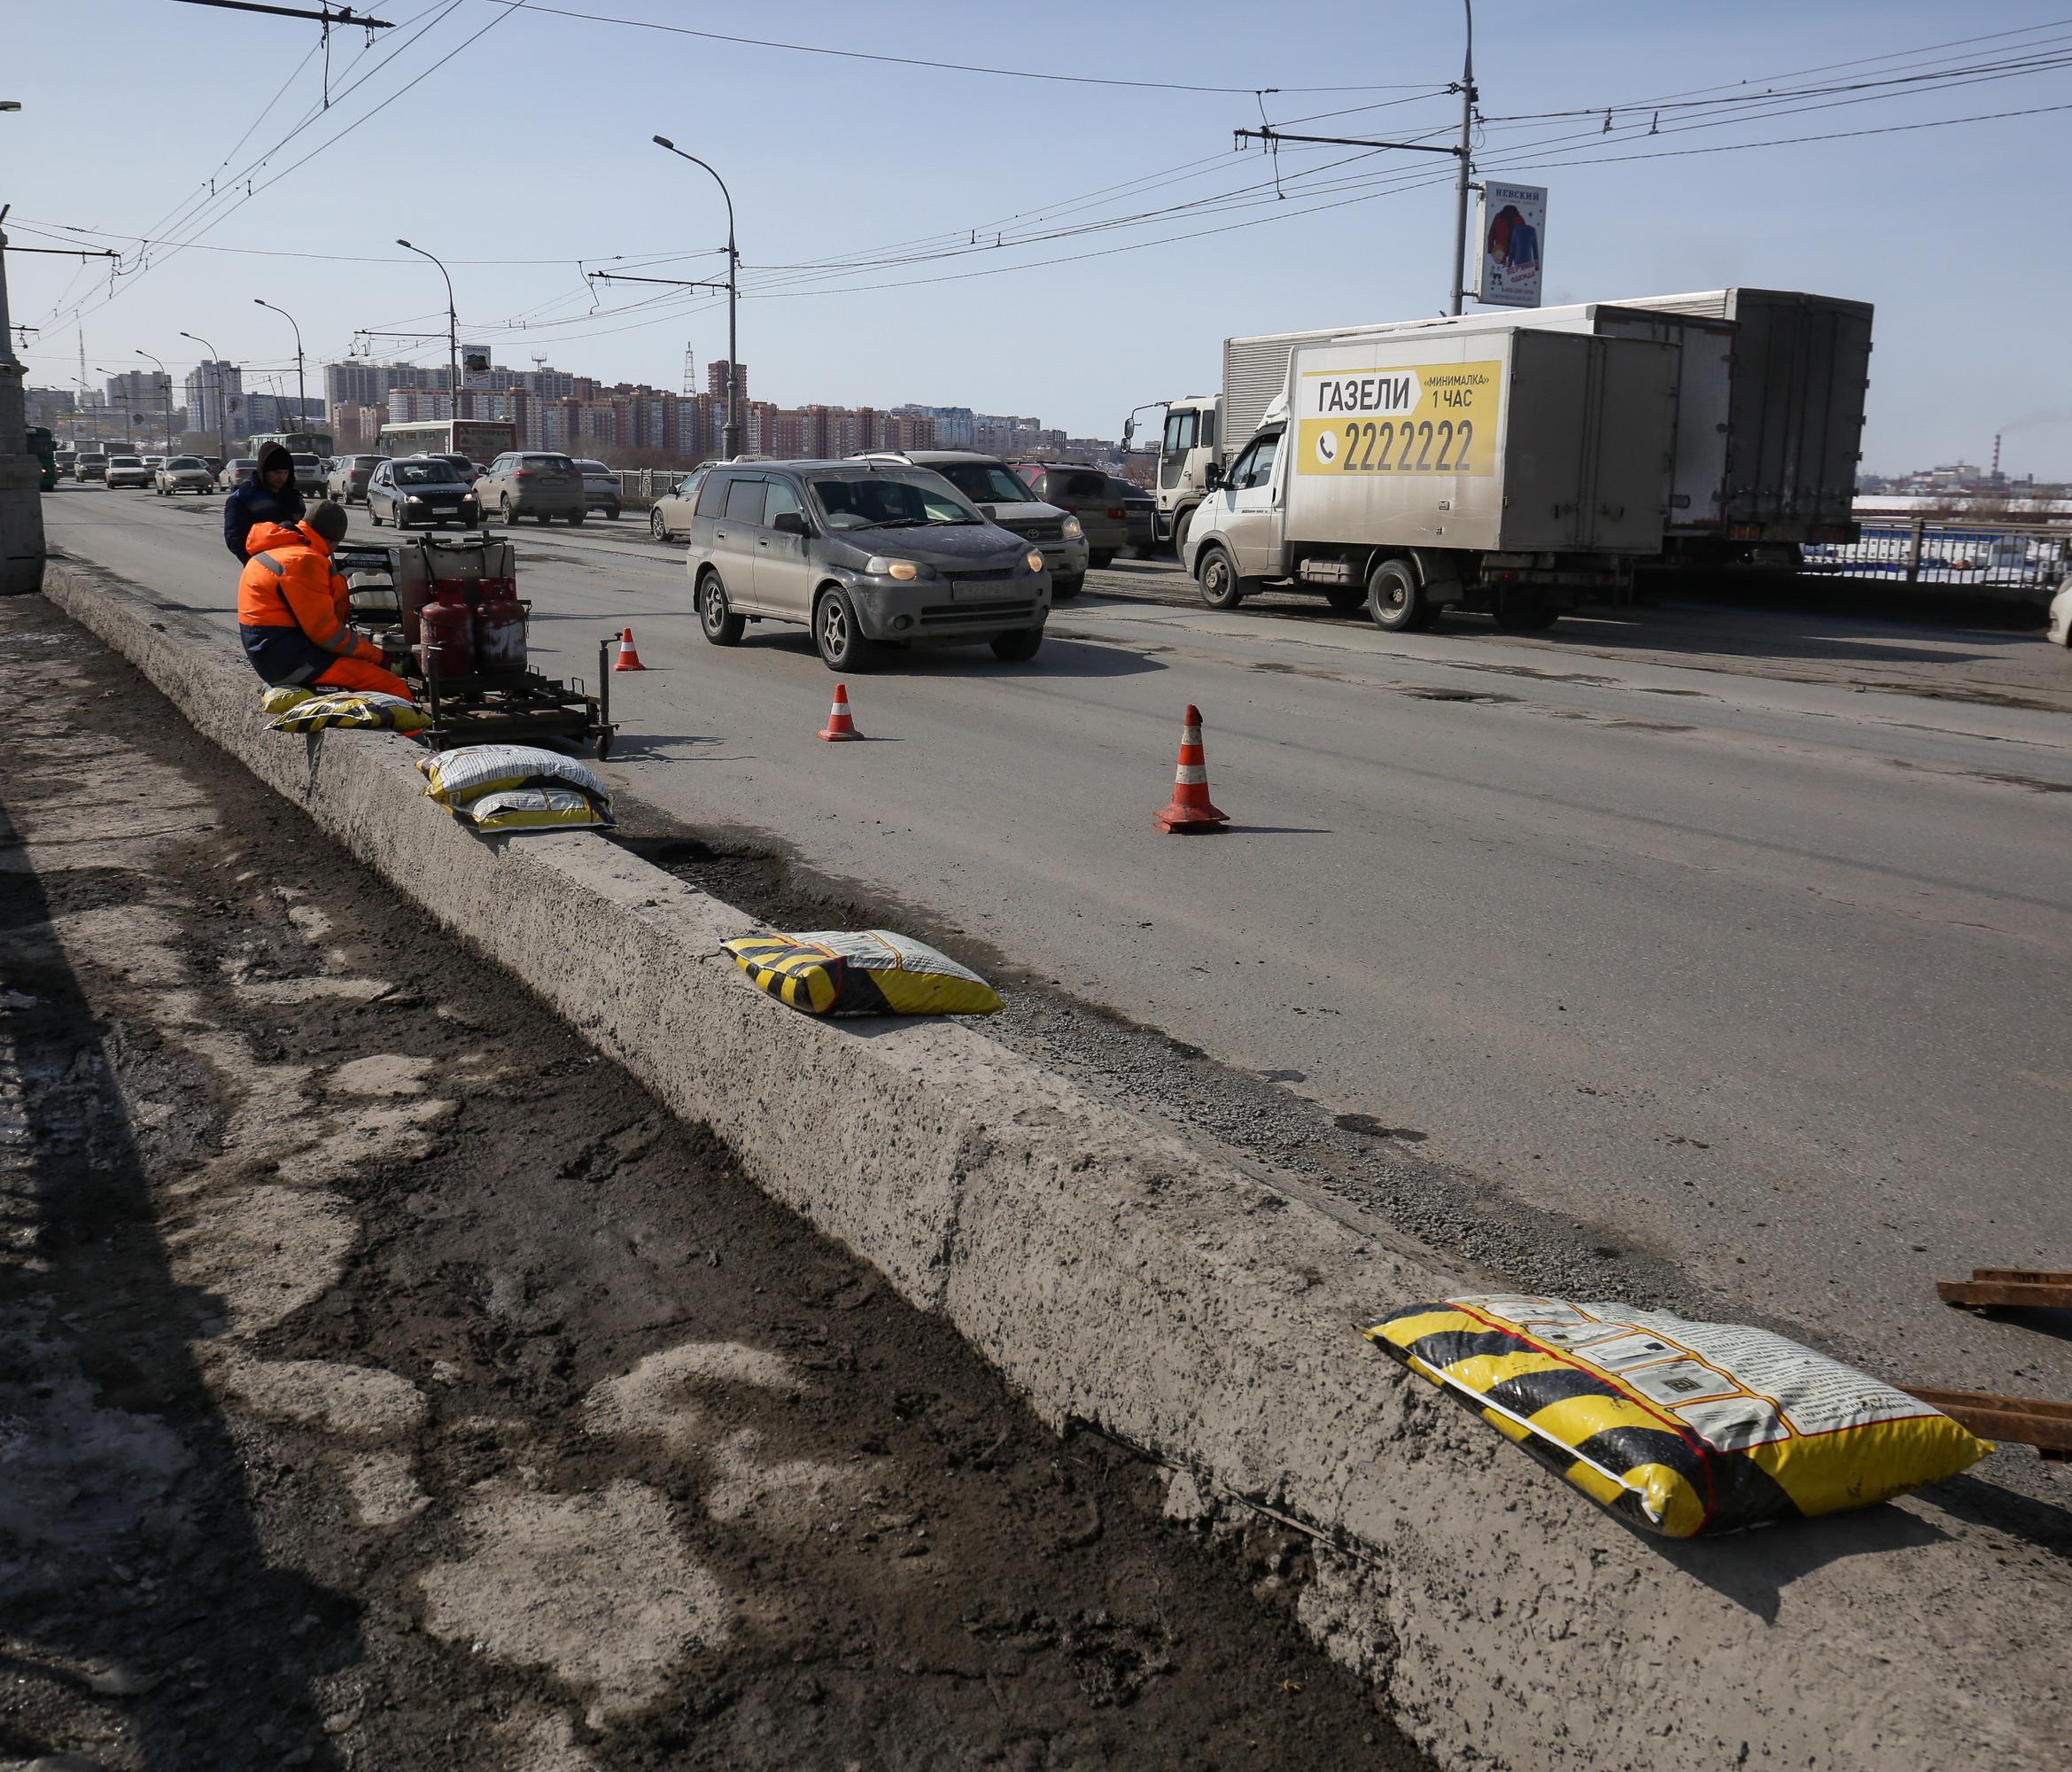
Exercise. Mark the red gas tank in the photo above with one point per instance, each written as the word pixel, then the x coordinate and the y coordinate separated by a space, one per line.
pixel 446 628
pixel 499 627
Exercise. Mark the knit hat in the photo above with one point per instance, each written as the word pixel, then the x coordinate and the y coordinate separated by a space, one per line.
pixel 328 520
pixel 275 457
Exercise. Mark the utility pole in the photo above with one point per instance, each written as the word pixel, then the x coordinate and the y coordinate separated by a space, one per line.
pixel 732 445
pixel 1462 154
pixel 22 508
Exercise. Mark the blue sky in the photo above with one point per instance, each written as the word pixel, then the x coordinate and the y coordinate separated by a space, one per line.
pixel 531 144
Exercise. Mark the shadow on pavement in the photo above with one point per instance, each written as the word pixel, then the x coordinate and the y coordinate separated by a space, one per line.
pixel 131 1568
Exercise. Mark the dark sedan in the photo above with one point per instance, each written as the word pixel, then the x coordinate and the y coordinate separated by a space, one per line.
pixel 420 490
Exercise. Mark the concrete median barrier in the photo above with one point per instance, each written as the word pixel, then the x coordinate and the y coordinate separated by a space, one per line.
pixel 1117 1277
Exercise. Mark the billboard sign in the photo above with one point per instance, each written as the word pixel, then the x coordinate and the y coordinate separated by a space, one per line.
pixel 1514 243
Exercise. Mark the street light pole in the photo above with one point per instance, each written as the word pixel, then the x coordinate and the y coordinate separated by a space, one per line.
pixel 453 324
pixel 222 398
pixel 1461 172
pixel 301 389
pixel 731 444
pixel 165 421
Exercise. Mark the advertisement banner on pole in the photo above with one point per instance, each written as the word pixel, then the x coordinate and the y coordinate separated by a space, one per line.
pixel 1514 243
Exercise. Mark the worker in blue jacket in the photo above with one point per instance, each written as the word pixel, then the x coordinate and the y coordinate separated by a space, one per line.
pixel 268 496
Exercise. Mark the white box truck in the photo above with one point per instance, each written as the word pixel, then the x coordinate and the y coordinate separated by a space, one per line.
pixel 1507 469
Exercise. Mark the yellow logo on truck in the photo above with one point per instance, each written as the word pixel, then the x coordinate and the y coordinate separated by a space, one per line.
pixel 1437 419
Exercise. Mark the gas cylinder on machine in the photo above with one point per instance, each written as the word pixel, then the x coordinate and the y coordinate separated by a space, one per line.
pixel 446 626
pixel 499 626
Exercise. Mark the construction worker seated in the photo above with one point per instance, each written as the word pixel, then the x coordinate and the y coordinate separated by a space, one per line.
pixel 268 496
pixel 292 611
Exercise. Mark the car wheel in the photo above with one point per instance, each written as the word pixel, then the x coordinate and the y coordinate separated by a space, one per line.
pixel 1101 558
pixel 1344 598
pixel 716 615
pixel 1215 575
pixel 1395 599
pixel 374 515
pixel 576 519
pixel 544 518
pixel 612 513
pixel 1018 646
pixel 656 526
pixel 1062 590
pixel 503 511
pixel 841 642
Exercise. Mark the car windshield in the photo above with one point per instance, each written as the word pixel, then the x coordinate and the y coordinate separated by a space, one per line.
pixel 184 461
pixel 870 501
pixel 425 474
pixel 985 483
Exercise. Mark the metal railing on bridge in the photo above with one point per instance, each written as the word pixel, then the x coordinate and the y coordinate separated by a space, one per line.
pixel 1981 553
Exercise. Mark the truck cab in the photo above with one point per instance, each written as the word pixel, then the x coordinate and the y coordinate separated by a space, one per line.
pixel 1185 452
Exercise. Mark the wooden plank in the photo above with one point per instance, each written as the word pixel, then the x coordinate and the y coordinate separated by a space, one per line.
pixel 2054 1292
pixel 2023 1420
pixel 2024 1276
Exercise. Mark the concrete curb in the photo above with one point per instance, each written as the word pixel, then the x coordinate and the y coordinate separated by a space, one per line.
pixel 1115 1277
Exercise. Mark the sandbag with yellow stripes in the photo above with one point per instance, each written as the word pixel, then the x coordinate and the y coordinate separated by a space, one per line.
pixel 860 972
pixel 1679 1427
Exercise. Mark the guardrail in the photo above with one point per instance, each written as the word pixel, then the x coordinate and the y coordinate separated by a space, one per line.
pixel 1949 551
pixel 639 488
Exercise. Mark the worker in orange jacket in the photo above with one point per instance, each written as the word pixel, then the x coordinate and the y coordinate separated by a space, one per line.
pixel 292 611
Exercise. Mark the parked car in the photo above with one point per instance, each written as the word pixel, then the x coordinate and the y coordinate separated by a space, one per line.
pixel 420 490
pixel 669 515
pixel 184 474
pixel 600 488
pixel 234 472
pixel 127 470
pixel 1083 491
pixel 345 480
pixel 89 465
pixel 990 484
pixel 526 484
pixel 1139 511
pixel 866 554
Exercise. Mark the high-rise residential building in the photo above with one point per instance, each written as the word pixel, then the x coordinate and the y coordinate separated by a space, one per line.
pixel 214 399
pixel 950 425
pixel 716 374
pixel 366 383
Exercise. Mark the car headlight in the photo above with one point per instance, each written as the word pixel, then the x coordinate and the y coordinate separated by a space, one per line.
pixel 1035 559
pixel 416 498
pixel 1074 532
pixel 879 567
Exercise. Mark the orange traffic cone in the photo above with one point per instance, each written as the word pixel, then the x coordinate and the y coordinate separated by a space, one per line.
pixel 1190 808
pixel 628 659
pixel 840 727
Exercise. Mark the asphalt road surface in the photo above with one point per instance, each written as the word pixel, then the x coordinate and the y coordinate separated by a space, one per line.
pixel 1740 940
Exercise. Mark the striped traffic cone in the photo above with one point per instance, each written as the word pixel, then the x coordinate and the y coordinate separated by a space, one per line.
pixel 628 659
pixel 840 727
pixel 1190 808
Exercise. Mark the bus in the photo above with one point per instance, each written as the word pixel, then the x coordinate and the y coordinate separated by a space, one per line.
pixel 475 439
pixel 317 443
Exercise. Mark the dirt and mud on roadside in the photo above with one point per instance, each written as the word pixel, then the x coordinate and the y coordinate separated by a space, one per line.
pixel 386 1381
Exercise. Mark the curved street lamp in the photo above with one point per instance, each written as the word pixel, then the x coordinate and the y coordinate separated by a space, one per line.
pixel 731 442
pixel 453 324
pixel 222 398
pixel 301 391
pixel 167 380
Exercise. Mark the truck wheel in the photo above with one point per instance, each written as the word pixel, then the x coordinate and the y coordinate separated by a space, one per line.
pixel 1344 598
pixel 1182 524
pixel 1018 646
pixel 1395 599
pixel 1215 573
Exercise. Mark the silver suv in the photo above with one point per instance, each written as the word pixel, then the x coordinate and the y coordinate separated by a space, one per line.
pixel 525 483
pixel 988 483
pixel 865 555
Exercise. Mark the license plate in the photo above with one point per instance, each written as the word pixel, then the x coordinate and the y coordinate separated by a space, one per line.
pixel 967 593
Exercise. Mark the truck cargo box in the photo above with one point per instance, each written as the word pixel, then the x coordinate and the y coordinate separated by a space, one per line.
pixel 1511 439
pixel 1794 424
